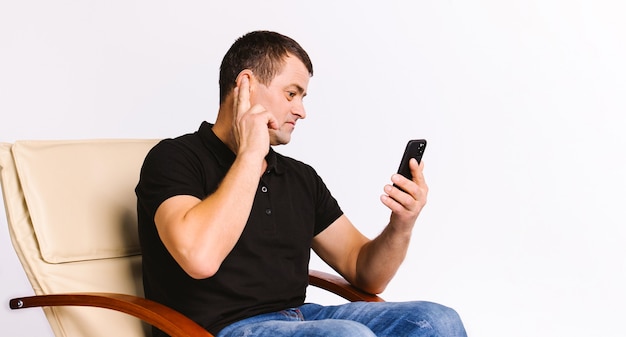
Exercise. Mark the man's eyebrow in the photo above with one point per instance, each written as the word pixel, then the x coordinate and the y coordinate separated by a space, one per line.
pixel 299 89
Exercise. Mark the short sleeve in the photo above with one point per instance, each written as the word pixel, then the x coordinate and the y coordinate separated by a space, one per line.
pixel 168 170
pixel 327 208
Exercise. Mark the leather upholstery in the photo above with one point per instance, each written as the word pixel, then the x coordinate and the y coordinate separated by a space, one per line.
pixel 71 212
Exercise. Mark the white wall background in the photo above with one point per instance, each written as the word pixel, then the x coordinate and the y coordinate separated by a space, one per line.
pixel 523 103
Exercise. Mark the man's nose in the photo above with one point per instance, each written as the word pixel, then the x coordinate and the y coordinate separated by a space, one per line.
pixel 298 110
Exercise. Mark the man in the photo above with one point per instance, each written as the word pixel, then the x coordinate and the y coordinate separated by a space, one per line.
pixel 226 224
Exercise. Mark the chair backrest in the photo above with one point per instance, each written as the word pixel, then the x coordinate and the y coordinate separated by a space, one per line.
pixel 71 211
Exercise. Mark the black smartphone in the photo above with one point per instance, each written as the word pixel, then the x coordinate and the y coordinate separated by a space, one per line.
pixel 414 149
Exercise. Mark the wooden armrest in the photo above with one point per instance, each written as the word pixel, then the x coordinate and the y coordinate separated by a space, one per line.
pixel 168 320
pixel 341 287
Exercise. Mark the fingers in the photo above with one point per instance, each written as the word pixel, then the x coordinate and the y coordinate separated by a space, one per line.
pixel 242 96
pixel 411 187
pixel 272 122
pixel 251 122
pixel 402 199
pixel 417 171
pixel 404 194
pixel 243 105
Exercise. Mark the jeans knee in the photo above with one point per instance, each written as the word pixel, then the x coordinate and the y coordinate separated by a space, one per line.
pixel 346 328
pixel 445 321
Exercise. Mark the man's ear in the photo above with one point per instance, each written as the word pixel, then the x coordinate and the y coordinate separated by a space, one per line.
pixel 251 79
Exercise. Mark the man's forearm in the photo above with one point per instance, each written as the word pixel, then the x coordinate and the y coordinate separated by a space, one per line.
pixel 202 236
pixel 380 259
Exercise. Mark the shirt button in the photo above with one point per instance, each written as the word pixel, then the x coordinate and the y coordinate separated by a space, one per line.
pixel 268 211
pixel 264 189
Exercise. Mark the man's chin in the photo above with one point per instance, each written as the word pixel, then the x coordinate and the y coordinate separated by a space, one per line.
pixel 279 142
pixel 279 139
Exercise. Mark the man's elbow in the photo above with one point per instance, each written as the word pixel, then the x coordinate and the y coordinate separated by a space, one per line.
pixel 371 286
pixel 200 269
pixel 374 290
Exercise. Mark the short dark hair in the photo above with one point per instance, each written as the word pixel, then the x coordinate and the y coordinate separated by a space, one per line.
pixel 264 53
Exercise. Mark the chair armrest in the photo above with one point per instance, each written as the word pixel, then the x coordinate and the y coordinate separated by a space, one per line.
pixel 169 320
pixel 340 286
pixel 166 319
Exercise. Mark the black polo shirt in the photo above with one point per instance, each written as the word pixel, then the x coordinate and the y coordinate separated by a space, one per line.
pixel 268 268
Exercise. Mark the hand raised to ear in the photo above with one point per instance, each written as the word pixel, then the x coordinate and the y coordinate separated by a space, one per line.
pixel 251 123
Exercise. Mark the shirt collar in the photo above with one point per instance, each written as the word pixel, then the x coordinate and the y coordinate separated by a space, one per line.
pixel 224 156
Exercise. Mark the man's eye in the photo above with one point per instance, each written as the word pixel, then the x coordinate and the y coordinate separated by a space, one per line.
pixel 291 94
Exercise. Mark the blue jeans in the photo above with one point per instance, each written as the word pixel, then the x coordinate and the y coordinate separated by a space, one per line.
pixel 401 319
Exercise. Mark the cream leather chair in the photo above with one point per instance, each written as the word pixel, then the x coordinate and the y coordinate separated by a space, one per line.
pixel 70 208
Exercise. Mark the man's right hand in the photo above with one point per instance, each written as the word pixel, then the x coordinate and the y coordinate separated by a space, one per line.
pixel 251 123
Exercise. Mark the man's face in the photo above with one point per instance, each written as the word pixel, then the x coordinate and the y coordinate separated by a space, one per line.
pixel 283 98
